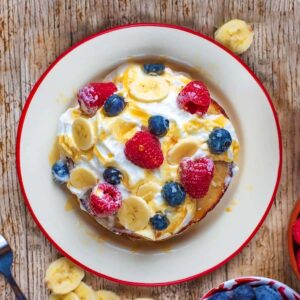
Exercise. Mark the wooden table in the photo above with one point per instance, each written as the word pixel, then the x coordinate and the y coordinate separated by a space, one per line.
pixel 34 32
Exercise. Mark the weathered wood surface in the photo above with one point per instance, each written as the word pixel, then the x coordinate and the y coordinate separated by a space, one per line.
pixel 34 32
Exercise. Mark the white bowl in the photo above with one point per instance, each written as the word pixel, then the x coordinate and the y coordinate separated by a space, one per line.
pixel 215 240
pixel 286 292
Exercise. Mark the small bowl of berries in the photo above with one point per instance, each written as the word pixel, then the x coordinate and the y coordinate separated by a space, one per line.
pixel 294 239
pixel 251 288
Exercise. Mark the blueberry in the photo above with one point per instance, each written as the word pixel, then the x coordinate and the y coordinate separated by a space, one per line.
pixel 173 193
pixel 158 125
pixel 159 222
pixel 114 105
pixel 264 292
pixel 60 171
pixel 219 296
pixel 112 176
pixel 243 292
pixel 154 69
pixel 219 141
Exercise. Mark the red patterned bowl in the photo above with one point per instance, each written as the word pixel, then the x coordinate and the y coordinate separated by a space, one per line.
pixel 228 286
pixel 291 244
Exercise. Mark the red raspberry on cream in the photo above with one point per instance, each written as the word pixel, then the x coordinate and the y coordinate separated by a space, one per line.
pixel 196 176
pixel 194 98
pixel 143 149
pixel 105 200
pixel 92 96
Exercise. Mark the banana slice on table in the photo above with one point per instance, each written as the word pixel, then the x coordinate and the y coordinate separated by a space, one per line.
pixel 85 292
pixel 107 295
pixel 149 89
pixel 62 276
pixel 134 213
pixel 82 178
pixel 148 190
pixel 69 296
pixel 54 297
pixel 83 133
pixel 184 148
pixel 236 35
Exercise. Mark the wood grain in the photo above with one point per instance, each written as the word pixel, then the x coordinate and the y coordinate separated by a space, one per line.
pixel 34 32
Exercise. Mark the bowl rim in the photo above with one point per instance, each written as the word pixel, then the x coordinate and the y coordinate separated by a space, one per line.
pixel 244 280
pixel 44 75
pixel 292 255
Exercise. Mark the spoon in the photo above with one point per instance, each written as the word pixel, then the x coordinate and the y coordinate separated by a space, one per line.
pixel 6 260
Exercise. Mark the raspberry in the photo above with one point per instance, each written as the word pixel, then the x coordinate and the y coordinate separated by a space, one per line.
pixel 143 149
pixel 196 175
pixel 194 98
pixel 296 231
pixel 105 200
pixel 298 259
pixel 92 96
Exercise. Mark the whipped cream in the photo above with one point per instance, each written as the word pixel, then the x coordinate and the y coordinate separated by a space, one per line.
pixel 111 147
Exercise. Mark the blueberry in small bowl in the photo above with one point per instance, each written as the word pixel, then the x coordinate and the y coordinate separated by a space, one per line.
pixel 220 296
pixel 252 288
pixel 265 292
pixel 244 292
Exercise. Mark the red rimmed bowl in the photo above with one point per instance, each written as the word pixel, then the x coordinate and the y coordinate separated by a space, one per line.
pixel 217 238
pixel 228 286
pixel 292 246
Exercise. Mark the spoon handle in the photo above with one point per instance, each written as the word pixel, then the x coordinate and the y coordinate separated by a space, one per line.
pixel 15 287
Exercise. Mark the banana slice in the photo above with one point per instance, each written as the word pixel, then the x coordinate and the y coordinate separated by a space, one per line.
pixel 148 190
pixel 107 295
pixel 85 292
pixel 82 178
pixel 184 148
pixel 83 133
pixel 134 213
pixel 62 276
pixel 130 75
pixel 54 297
pixel 149 89
pixel 147 233
pixel 236 35
pixel 69 296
